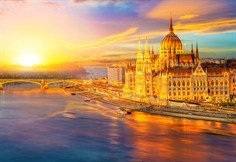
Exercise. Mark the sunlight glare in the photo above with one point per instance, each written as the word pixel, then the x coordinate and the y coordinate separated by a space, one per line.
pixel 29 59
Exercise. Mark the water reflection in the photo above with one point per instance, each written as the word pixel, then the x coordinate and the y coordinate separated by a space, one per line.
pixel 32 121
pixel 180 139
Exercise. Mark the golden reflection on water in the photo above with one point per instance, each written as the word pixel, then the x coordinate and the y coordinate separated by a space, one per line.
pixel 184 140
pixel 166 137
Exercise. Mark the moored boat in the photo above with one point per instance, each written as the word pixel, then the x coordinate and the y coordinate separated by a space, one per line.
pixel 87 99
pixel 70 115
pixel 124 111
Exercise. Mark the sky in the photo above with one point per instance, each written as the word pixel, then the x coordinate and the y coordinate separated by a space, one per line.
pixel 92 32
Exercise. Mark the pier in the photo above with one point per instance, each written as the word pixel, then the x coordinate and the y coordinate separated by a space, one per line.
pixel 198 113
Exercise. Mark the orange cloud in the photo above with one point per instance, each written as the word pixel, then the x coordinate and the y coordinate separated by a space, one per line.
pixel 52 4
pixel 184 8
pixel 212 27
pixel 188 16
pixel 102 42
pixel 127 36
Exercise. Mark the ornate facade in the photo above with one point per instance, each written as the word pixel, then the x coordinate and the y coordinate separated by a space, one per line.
pixel 176 75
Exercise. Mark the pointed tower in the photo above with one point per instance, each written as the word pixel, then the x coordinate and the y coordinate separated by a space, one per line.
pixel 153 56
pixel 147 50
pixel 127 67
pixel 139 61
pixel 171 26
pixel 192 49
pixel 147 59
pixel 197 54
pixel 130 66
pixel 153 59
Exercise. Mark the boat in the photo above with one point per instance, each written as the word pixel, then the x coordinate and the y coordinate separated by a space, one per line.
pixel 124 111
pixel 86 99
pixel 129 111
pixel 70 115
pixel 73 93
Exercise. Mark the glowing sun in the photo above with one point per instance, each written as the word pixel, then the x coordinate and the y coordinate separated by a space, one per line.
pixel 29 59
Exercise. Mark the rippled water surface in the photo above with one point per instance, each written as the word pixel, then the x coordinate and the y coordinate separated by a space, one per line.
pixel 32 128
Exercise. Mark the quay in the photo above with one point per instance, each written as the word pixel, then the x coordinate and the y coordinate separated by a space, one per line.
pixel 197 113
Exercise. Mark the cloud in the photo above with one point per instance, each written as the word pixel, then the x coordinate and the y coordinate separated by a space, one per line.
pixel 188 16
pixel 96 2
pixel 201 16
pixel 12 1
pixel 178 8
pixel 52 4
pixel 4 11
pixel 108 10
pixel 212 27
pixel 102 42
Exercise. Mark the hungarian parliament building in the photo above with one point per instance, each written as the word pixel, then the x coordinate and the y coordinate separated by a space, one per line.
pixel 176 75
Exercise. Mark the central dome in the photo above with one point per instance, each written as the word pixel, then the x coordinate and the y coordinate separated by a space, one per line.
pixel 171 41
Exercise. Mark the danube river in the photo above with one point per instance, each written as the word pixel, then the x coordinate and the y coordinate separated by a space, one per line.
pixel 32 128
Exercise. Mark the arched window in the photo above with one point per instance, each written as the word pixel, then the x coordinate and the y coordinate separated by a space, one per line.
pixel 188 83
pixel 221 83
pixel 183 83
pixel 204 83
pixel 174 83
pixel 226 82
pixel 198 83
pixel 169 83
pixel 216 82
pixel 212 82
pixel 194 83
pixel 178 83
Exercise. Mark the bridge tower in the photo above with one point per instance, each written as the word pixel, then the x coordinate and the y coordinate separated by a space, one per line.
pixel 43 85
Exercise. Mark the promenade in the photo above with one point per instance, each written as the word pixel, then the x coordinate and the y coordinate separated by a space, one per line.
pixel 198 113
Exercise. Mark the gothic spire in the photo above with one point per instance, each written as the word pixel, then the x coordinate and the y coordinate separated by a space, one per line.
pixel 127 67
pixel 197 54
pixel 139 45
pixel 192 49
pixel 139 53
pixel 171 26
pixel 152 56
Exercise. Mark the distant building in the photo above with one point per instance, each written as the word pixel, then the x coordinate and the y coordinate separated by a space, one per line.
pixel 114 74
pixel 176 75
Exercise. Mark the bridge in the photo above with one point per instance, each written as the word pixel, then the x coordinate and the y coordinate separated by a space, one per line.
pixel 42 82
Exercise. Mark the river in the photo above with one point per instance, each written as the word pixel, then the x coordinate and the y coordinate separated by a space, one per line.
pixel 32 128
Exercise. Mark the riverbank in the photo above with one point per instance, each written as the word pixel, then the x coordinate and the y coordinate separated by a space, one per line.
pixel 196 113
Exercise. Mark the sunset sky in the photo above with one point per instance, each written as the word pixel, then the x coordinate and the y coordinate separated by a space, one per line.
pixel 97 31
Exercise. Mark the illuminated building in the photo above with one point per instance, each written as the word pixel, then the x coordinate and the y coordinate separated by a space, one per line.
pixel 176 75
pixel 114 75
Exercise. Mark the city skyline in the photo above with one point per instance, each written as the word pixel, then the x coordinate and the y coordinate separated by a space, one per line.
pixel 88 32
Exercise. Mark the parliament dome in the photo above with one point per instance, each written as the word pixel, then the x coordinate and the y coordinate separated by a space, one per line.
pixel 171 40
